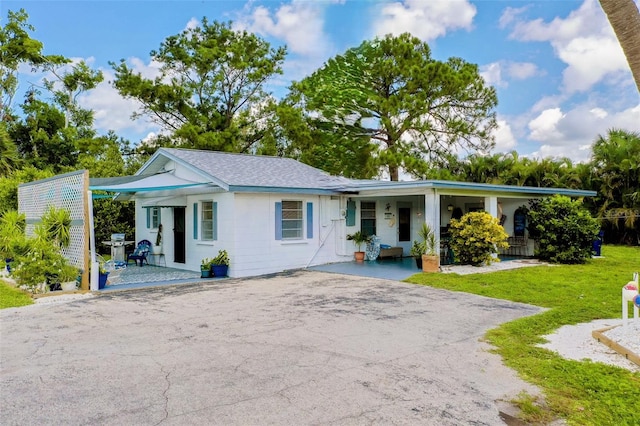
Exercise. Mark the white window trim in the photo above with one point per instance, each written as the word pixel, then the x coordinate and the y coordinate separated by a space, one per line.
pixel 300 239
pixel 201 239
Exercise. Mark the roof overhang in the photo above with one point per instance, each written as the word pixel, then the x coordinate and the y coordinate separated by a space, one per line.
pixel 143 183
pixel 455 187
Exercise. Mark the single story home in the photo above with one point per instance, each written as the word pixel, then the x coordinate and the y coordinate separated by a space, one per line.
pixel 273 214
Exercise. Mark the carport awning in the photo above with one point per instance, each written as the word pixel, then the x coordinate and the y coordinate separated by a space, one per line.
pixel 164 202
pixel 157 182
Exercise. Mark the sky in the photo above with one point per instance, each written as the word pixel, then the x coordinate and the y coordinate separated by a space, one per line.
pixel 559 72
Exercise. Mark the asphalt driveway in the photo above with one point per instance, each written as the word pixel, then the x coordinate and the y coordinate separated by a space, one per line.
pixel 303 348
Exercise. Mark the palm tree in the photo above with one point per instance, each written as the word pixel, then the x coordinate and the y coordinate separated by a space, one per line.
pixel 624 17
pixel 616 159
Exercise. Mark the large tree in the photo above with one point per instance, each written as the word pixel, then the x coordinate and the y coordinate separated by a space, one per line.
pixel 210 92
pixel 390 91
pixel 624 17
pixel 68 85
pixel 16 48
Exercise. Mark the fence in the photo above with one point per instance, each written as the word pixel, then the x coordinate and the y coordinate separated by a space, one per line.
pixel 68 191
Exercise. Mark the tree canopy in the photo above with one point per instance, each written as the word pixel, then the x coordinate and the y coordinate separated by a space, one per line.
pixel 17 47
pixel 391 92
pixel 210 92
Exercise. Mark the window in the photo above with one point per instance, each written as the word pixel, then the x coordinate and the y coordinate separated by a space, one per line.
pixel 292 221
pixel 155 217
pixel 207 221
pixel 368 217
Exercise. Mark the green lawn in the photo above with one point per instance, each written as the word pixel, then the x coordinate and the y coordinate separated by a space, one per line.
pixel 11 297
pixel 584 393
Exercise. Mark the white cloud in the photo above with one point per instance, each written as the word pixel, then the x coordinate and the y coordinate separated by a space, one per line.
pixel 505 141
pixel 498 73
pixel 300 24
pixel 193 23
pixel 571 133
pixel 522 70
pixel 583 40
pixel 511 14
pixel 426 20
pixel 544 126
pixel 112 111
pixel 150 70
pixel 492 74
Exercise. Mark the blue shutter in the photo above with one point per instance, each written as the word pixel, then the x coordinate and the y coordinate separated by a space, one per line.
pixel 148 217
pixel 309 220
pixel 278 221
pixel 215 220
pixel 195 221
pixel 351 213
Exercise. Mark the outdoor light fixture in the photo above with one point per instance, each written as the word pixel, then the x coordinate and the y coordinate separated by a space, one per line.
pixel 450 207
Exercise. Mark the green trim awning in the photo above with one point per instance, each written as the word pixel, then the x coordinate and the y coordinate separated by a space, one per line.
pixel 142 183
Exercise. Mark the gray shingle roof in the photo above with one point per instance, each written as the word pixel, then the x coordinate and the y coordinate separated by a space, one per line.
pixel 240 170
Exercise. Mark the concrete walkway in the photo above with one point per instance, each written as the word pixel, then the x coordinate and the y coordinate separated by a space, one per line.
pixel 299 348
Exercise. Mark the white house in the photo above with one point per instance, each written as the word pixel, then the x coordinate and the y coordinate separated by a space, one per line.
pixel 272 214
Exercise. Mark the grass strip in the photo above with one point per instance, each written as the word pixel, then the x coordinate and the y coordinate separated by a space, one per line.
pixel 11 297
pixel 581 392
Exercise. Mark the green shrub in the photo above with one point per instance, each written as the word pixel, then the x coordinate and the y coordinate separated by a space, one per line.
pixel 475 237
pixel 12 226
pixel 563 228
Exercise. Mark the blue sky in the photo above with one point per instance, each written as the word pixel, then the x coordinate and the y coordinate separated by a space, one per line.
pixel 560 74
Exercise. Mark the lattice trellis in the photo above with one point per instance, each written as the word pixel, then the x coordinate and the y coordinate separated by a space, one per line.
pixel 67 191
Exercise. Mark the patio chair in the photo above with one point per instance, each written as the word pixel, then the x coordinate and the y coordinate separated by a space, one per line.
pixel 140 253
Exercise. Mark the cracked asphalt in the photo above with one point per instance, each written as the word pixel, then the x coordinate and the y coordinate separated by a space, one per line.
pixel 300 348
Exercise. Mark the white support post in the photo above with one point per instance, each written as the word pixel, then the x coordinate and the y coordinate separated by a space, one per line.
pixel 95 266
pixel 432 214
pixel 491 206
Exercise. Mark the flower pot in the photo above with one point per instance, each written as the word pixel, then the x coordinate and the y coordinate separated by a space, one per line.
pixel 219 270
pixel 205 272
pixel 68 286
pixel 419 262
pixel 102 280
pixel 359 255
pixel 430 263
pixel 156 249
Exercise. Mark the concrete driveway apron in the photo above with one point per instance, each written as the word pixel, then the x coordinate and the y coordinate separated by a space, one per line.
pixel 299 348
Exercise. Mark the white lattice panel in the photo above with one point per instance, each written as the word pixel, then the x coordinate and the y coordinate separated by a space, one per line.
pixel 64 191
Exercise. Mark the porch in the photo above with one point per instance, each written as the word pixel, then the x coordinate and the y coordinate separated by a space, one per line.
pixel 400 269
pixel 150 276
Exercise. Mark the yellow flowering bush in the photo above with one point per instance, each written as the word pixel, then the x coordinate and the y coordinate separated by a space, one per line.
pixel 475 237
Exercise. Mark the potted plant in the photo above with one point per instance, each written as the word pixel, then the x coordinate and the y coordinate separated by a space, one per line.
pixel 417 250
pixel 358 238
pixel 205 268
pixel 68 276
pixel 103 275
pixel 220 264
pixel 430 258
pixel 157 247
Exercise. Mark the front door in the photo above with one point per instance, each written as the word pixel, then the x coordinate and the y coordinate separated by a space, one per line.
pixel 179 234
pixel 404 224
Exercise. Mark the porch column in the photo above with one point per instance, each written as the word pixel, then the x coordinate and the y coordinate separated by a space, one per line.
pixel 491 206
pixel 432 214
